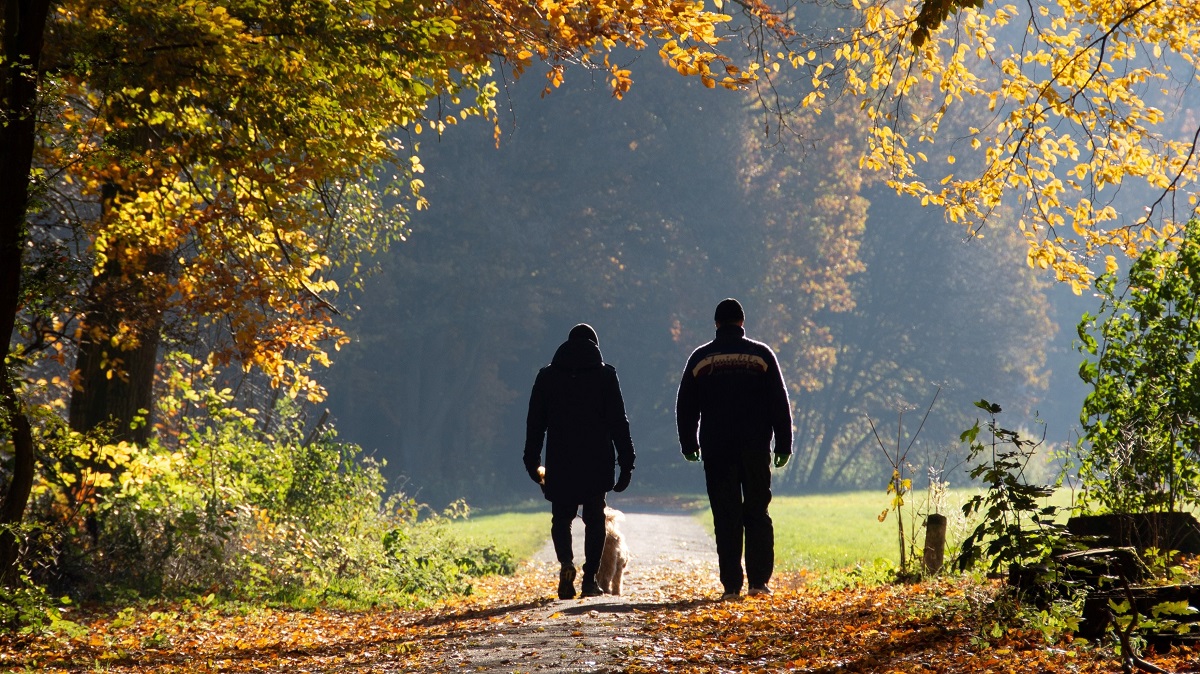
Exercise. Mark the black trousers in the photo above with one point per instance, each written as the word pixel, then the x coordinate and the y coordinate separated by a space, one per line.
pixel 562 514
pixel 739 491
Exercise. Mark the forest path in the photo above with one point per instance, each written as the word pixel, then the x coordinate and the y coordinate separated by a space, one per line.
pixel 657 541
pixel 673 564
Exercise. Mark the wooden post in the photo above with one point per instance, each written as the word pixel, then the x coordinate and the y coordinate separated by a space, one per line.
pixel 935 542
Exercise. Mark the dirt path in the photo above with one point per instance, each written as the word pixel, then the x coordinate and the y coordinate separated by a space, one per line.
pixel 593 634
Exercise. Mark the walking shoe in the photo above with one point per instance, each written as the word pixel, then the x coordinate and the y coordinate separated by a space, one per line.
pixel 756 590
pixel 566 582
pixel 731 596
pixel 590 587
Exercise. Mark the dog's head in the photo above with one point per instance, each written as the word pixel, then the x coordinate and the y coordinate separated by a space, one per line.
pixel 613 515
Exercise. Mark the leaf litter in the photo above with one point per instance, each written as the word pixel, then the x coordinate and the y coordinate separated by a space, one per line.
pixel 514 624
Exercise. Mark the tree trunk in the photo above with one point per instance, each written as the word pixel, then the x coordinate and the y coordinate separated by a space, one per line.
pixel 23 35
pixel 115 385
pixel 108 391
pixel 836 396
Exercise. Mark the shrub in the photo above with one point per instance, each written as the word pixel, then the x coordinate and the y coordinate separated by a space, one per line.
pixel 1140 437
pixel 220 506
pixel 1014 528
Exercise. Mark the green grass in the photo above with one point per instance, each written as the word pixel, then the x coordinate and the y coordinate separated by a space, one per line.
pixel 521 533
pixel 833 531
pixel 836 531
pixel 818 532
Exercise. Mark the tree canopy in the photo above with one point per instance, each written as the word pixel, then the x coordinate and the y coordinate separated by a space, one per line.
pixel 1086 125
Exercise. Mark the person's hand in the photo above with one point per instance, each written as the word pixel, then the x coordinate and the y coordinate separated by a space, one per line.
pixel 781 460
pixel 623 480
pixel 539 475
pixel 692 456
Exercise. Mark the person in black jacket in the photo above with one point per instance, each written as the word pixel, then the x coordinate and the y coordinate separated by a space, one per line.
pixel 577 408
pixel 733 391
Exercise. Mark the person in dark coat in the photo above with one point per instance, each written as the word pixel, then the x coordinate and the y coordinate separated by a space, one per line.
pixel 733 391
pixel 577 409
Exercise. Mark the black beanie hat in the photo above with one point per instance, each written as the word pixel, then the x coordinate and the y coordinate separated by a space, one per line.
pixel 729 311
pixel 584 331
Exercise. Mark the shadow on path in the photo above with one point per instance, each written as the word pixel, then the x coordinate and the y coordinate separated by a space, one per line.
pixel 627 607
pixel 482 614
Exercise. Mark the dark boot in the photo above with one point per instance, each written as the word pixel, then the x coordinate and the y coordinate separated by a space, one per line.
pixel 590 587
pixel 566 582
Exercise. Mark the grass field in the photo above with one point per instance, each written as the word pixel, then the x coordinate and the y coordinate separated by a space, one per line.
pixel 833 531
pixel 818 532
pixel 837 531
pixel 522 533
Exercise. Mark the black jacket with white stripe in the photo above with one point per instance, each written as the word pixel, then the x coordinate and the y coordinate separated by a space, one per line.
pixel 733 392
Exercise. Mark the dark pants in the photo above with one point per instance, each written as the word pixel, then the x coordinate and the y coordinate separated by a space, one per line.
pixel 562 514
pixel 739 491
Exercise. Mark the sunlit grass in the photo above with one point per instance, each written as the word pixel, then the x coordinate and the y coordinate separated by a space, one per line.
pixel 521 533
pixel 839 531
pixel 817 532
pixel 832 531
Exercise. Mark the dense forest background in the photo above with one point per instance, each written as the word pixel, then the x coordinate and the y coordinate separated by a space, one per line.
pixel 637 216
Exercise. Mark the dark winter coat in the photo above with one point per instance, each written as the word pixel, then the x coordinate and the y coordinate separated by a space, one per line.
pixel 733 391
pixel 576 406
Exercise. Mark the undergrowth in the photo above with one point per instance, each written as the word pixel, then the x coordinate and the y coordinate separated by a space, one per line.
pixel 216 508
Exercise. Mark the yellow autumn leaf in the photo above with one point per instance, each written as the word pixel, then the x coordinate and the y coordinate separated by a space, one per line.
pixel 1110 264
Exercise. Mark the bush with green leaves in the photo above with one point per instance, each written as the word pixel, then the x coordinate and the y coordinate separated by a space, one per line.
pixel 218 505
pixel 25 605
pixel 1018 531
pixel 1141 421
pixel 428 560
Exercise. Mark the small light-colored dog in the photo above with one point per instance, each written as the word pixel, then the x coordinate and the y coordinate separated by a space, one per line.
pixel 616 553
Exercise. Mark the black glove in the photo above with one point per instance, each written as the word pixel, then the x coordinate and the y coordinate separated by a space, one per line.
pixel 623 480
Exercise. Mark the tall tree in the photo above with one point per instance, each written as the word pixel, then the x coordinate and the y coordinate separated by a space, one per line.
pixel 23 34
pixel 812 223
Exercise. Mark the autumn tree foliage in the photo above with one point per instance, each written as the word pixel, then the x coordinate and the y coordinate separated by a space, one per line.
pixel 812 225
pixel 872 303
pixel 216 163
pixel 930 311
pixel 1087 129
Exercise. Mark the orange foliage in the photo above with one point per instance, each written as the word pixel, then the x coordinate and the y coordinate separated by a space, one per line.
pixel 914 629
pixel 246 152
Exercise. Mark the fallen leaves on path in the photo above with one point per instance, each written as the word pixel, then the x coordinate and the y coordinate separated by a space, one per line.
pixel 190 638
pixel 889 629
pixel 680 628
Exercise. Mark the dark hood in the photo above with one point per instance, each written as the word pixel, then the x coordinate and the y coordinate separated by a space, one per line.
pixel 577 354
